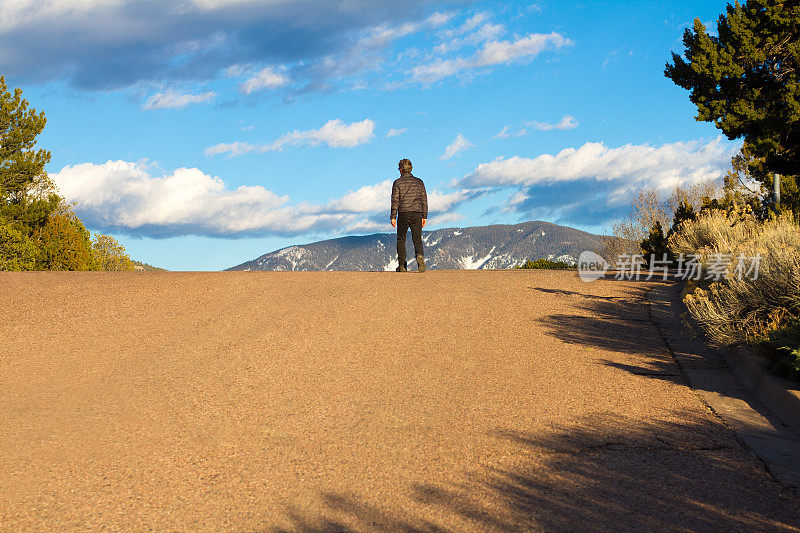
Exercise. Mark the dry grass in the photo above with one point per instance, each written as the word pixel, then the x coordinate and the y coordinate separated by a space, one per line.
pixel 743 308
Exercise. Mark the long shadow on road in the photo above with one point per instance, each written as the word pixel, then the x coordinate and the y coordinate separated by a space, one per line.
pixel 601 473
pixel 618 324
pixel 680 471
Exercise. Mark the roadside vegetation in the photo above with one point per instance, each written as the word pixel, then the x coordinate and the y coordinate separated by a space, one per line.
pixel 755 302
pixel 38 228
pixel 745 80
pixel 534 264
pixel 760 309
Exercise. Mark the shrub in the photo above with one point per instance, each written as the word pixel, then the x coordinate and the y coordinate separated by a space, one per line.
pixel 64 243
pixel 746 308
pixel 110 255
pixel 17 251
pixel 783 350
pixel 544 263
pixel 649 208
pixel 655 246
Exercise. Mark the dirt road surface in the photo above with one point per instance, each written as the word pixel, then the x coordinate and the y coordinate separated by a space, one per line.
pixel 450 400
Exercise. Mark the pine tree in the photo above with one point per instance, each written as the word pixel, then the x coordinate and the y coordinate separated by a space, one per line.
pixel 745 81
pixel 656 246
pixel 26 197
pixel 38 230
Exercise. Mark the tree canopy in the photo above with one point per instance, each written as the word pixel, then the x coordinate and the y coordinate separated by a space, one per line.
pixel 109 254
pixel 745 81
pixel 20 163
pixel 38 229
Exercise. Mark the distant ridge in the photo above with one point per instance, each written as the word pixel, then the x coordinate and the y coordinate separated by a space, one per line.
pixel 490 247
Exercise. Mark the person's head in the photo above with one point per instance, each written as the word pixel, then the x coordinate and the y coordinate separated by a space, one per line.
pixel 404 166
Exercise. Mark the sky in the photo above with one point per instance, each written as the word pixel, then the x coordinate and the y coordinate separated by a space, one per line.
pixel 205 133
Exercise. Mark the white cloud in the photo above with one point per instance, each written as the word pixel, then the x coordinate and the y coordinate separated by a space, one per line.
pixel 375 199
pixel 506 132
pixel 171 99
pixel 496 52
pixel 459 144
pixel 439 202
pixel 476 29
pixel 266 78
pixel 334 133
pixel 469 25
pixel 535 7
pixel 384 34
pixel 664 166
pixel 116 44
pixel 445 218
pixel 487 32
pixel 440 19
pixel 438 70
pixel 567 122
pixel 592 185
pixel 127 197
pixel 490 54
pixel 394 132
pixel 124 195
pixel 472 23
pixel 232 149
pixel 369 198
pixel 366 54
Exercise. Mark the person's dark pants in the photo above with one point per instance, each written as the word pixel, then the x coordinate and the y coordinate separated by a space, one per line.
pixel 405 221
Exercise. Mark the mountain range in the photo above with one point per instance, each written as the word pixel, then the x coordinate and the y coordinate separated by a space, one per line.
pixel 490 247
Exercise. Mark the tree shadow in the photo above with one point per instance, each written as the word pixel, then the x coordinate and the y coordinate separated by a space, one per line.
pixel 619 324
pixel 565 292
pixel 681 472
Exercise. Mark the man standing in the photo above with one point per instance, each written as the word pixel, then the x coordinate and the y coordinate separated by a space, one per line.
pixel 409 210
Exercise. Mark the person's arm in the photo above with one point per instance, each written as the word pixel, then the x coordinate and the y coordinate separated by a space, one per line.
pixel 424 206
pixel 395 202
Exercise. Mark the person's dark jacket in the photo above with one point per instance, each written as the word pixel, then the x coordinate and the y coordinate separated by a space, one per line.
pixel 408 195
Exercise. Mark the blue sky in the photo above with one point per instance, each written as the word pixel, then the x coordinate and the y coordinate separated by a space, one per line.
pixel 204 133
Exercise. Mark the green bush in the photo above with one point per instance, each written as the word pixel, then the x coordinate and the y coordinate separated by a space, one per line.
pixel 783 351
pixel 656 245
pixel 64 244
pixel 17 251
pixel 38 229
pixel 544 264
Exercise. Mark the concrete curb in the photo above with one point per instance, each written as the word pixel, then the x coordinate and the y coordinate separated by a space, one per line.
pixel 735 386
pixel 780 396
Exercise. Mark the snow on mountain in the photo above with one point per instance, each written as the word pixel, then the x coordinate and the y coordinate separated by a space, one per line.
pixel 480 247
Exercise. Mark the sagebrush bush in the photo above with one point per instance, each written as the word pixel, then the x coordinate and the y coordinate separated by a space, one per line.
pixel 544 264
pixel 737 308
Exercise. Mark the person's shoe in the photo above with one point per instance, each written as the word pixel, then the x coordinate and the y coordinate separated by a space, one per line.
pixel 401 268
pixel 420 263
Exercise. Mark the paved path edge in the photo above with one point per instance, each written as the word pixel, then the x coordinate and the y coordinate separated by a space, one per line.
pixel 715 381
pixel 779 395
pixel 782 397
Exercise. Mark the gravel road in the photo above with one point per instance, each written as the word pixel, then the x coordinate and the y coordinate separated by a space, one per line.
pixel 365 401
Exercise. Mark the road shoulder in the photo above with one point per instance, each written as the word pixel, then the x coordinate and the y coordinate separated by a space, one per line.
pixel 753 417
